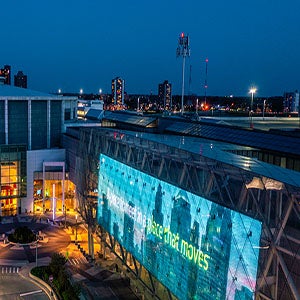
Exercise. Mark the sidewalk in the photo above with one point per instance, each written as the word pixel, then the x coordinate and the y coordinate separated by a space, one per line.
pixel 103 278
pixel 25 273
pixel 110 276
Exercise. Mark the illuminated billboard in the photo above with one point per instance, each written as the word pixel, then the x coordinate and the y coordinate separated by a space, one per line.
pixel 196 248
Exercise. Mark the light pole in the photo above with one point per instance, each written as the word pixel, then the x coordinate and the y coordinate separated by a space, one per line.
pixel 36 247
pixel 76 228
pixel 252 92
pixel 264 107
pixel 183 50
pixel 53 202
pixel 65 212
pixel 205 84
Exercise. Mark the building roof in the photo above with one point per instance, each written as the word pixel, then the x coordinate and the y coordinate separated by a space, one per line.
pixel 94 114
pixel 253 138
pixel 218 151
pixel 129 118
pixel 10 92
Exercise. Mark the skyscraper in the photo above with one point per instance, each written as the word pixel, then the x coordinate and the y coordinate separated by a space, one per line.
pixel 5 73
pixel 20 80
pixel 118 90
pixel 165 94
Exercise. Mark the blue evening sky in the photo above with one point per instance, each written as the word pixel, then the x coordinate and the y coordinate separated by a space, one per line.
pixel 84 44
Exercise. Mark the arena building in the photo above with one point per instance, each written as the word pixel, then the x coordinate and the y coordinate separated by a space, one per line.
pixel 192 217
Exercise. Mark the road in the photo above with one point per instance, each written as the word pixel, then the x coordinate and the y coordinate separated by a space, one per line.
pixel 12 287
pixel 96 280
pixel 55 240
pixel 13 257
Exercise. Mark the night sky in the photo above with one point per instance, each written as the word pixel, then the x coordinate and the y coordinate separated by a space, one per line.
pixel 84 44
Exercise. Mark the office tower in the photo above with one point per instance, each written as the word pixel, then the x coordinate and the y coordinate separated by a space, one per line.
pixel 105 219
pixel 153 257
pixel 117 90
pixel 181 216
pixel 216 242
pixel 5 73
pixel 165 94
pixel 20 80
pixel 157 214
pixel 128 234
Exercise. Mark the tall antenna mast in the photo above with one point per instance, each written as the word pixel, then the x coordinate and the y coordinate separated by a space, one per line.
pixel 183 50
pixel 190 80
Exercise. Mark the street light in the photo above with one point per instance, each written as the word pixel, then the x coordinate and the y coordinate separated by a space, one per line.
pixel 76 228
pixel 36 247
pixel 252 92
pixel 264 107
pixel 65 212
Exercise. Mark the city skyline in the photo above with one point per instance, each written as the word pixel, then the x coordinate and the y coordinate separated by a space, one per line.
pixel 71 46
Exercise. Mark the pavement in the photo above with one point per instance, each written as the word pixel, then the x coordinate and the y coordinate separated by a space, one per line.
pixel 25 272
pixel 99 278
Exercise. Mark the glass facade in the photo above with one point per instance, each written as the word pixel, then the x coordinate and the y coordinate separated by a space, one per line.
pixel 196 248
pixel 2 122
pixel 56 121
pixel 18 122
pixel 53 178
pixel 12 177
pixel 39 124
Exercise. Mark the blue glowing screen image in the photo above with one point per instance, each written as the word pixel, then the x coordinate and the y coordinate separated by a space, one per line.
pixel 196 248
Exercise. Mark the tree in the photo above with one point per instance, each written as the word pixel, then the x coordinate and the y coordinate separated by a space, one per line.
pixel 57 263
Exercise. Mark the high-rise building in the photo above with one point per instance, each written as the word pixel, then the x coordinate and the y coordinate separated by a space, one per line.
pixel 118 90
pixel 20 80
pixel 5 74
pixel 291 102
pixel 165 94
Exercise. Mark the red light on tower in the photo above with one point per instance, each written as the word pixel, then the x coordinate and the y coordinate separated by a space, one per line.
pixel 182 34
pixel 206 60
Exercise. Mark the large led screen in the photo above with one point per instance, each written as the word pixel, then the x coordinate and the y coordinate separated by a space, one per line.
pixel 196 248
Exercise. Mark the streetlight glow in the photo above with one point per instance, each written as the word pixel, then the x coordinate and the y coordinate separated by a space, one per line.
pixel 252 91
